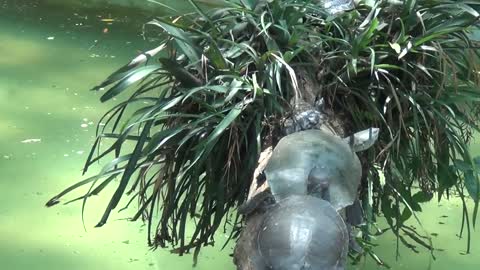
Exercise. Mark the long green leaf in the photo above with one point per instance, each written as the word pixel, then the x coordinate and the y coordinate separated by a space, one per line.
pixel 186 78
pixel 130 79
pixel 188 47
pixel 129 170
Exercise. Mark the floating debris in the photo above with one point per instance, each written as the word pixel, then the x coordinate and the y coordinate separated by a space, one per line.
pixel 80 152
pixel 65 155
pixel 84 125
pixel 95 43
pixel 31 141
pixel 85 119
pixel 50 38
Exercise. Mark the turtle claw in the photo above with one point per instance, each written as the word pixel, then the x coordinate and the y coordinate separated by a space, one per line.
pixel 354 246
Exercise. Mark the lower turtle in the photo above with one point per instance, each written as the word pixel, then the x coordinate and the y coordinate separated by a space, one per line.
pixel 303 233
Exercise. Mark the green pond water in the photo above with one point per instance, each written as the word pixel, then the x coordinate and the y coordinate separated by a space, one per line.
pixel 47 120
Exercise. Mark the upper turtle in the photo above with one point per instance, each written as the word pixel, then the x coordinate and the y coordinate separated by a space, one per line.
pixel 314 162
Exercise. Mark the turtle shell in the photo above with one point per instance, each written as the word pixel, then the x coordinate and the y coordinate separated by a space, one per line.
pixel 303 232
pixel 309 161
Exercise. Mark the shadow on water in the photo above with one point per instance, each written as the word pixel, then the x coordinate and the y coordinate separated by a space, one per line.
pixel 50 57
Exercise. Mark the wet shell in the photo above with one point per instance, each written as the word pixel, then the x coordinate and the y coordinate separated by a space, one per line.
pixel 316 163
pixel 303 232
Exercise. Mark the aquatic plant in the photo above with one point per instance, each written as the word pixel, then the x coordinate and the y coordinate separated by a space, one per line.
pixel 222 85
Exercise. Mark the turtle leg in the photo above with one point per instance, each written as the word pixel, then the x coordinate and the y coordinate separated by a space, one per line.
pixel 354 213
pixel 354 217
pixel 352 242
pixel 246 254
pixel 259 201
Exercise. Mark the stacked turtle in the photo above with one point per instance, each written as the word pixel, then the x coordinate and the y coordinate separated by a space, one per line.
pixel 313 178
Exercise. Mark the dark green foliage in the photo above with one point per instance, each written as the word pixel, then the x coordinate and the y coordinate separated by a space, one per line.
pixel 218 95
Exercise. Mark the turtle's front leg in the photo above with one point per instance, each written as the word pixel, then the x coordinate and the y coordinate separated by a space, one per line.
pixel 261 201
pixel 352 242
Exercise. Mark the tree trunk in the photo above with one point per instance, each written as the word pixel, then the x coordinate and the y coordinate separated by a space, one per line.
pixel 246 255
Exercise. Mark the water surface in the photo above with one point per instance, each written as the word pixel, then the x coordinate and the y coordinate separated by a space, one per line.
pixel 47 65
pixel 50 57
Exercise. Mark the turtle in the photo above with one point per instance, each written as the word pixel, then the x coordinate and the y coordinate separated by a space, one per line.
pixel 315 162
pixel 320 164
pixel 353 216
pixel 303 232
